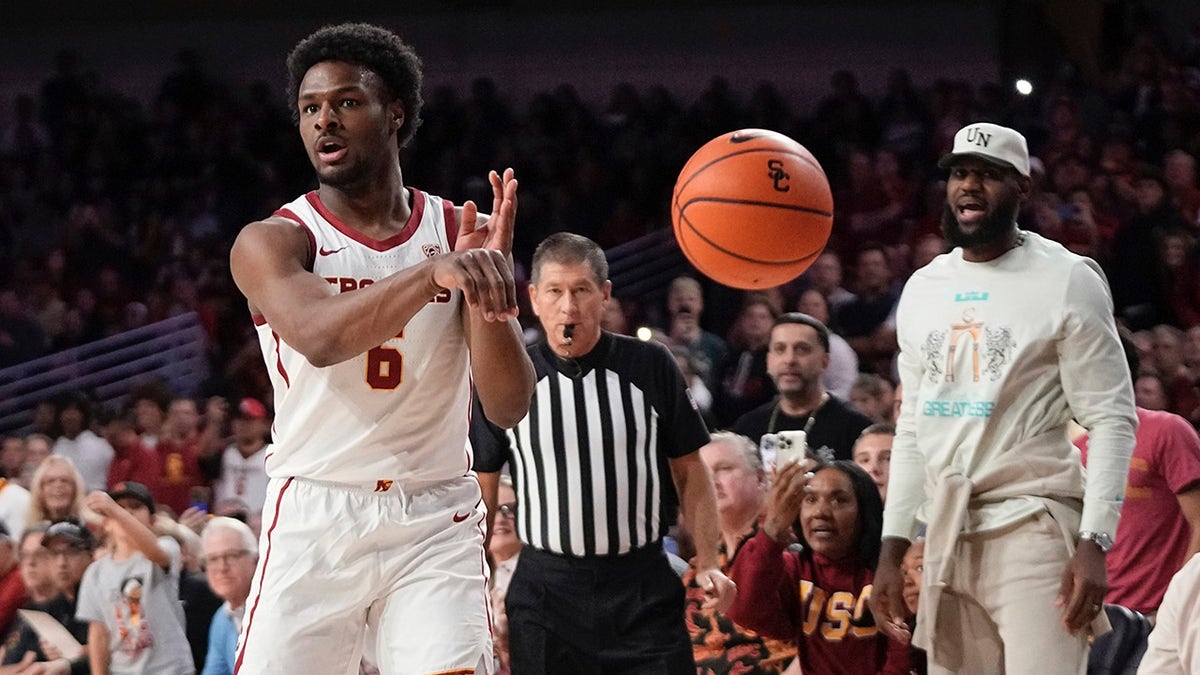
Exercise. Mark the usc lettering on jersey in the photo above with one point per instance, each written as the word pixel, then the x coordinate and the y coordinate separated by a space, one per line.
pixel 397 412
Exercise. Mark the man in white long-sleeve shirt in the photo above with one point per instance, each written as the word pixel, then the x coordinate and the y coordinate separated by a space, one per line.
pixel 1002 342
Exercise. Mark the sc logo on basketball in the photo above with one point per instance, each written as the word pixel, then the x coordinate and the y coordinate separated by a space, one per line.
pixel 777 175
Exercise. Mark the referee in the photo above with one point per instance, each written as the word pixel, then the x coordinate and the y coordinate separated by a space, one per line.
pixel 601 464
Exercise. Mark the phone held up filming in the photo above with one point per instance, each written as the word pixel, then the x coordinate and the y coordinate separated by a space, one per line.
pixel 780 449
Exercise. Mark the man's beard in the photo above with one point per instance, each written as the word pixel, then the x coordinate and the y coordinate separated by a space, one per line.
pixel 994 227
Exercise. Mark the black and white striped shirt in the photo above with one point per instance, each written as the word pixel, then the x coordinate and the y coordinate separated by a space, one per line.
pixel 589 461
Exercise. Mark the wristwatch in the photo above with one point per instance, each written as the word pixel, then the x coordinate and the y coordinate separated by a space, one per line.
pixel 1102 539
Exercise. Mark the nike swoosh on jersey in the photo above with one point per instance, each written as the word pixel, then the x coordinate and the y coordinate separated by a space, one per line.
pixel 459 518
pixel 325 251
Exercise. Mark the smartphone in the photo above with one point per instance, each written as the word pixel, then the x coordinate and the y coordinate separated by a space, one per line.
pixel 201 497
pixel 793 447
pixel 777 450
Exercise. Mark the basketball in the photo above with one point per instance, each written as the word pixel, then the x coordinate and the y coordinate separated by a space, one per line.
pixel 752 209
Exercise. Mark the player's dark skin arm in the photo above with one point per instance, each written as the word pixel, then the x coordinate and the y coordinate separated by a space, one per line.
pixel 500 367
pixel 887 594
pixel 489 483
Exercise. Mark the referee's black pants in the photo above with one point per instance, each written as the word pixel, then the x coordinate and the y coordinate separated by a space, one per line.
pixel 597 616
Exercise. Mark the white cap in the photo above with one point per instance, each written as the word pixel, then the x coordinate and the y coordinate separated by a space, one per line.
pixel 991 143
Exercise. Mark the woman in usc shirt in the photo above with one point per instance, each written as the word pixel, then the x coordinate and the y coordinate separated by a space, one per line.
pixel 819 595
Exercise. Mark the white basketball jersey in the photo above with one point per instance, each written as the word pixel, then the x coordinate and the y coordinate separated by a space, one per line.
pixel 399 411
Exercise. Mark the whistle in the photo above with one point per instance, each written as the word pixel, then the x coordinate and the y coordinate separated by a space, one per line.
pixel 568 331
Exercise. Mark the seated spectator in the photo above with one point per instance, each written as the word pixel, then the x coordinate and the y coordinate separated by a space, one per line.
pixel 34 562
pixel 12 588
pixel 701 394
pixel 199 602
pixel 1179 174
pixel 243 473
pixel 179 449
pixel 614 320
pixel 132 460
pixel 1181 275
pixel 90 454
pixel 817 596
pixel 12 457
pixel 868 321
pixel 913 569
pixel 843 362
pixel 1168 362
pixel 70 548
pixel 230 556
pixel 873 452
pixel 148 401
pixel 719 645
pixel 685 306
pixel 1140 298
pixel 14 499
pixel 504 548
pixel 1172 645
pixel 37 449
pixel 798 355
pixel 131 597
pixel 1150 392
pixel 744 382
pixel 825 276
pixel 872 396
pixel 57 493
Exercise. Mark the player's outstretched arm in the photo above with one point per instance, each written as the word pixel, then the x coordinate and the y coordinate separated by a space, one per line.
pixel 268 264
pixel 489 484
pixel 500 368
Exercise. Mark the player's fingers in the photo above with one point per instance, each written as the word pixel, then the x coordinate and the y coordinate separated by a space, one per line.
pixel 1065 588
pixel 470 216
pixel 1076 614
pixel 497 184
pixel 496 290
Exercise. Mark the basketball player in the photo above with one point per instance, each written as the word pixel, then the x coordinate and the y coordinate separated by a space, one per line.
pixel 1003 341
pixel 371 298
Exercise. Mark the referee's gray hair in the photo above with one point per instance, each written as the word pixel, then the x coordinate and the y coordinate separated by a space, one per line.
pixel 242 530
pixel 744 446
pixel 568 248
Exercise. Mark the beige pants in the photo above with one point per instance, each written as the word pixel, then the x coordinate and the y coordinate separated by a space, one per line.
pixel 999 611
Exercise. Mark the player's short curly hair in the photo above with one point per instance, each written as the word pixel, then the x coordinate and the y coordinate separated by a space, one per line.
pixel 372 47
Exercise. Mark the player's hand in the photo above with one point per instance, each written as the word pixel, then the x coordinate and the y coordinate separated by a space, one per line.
pixel 719 589
pixel 1084 585
pixel 787 492
pixel 497 232
pixel 485 278
pixel 887 591
pixel 101 503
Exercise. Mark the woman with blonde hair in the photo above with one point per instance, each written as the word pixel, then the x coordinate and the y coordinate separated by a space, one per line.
pixel 56 492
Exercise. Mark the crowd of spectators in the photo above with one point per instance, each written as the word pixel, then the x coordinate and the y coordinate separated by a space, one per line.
pixel 115 213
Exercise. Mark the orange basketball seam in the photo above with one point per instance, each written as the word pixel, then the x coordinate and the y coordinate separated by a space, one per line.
pixel 751 202
pixel 775 151
pixel 739 256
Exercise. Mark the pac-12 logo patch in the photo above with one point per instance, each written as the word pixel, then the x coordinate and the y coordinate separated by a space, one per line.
pixel 431 250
